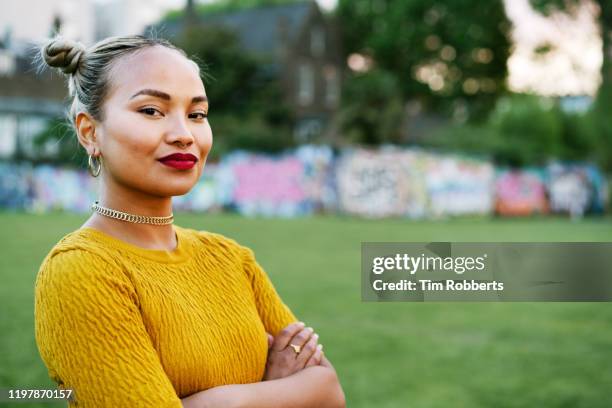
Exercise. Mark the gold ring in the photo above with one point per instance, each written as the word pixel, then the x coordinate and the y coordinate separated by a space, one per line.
pixel 295 348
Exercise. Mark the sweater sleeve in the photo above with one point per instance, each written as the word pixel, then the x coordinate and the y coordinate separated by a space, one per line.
pixel 91 336
pixel 273 312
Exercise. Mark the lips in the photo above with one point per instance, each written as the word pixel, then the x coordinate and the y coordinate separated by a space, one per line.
pixel 181 161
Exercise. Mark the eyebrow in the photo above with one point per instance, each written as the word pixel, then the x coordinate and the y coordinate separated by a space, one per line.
pixel 165 96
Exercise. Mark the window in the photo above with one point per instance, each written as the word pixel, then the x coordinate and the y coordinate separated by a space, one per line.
pixel 332 86
pixel 8 135
pixel 28 128
pixel 7 63
pixel 317 42
pixel 306 84
pixel 307 130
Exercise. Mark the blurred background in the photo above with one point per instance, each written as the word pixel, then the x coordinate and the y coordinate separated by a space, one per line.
pixel 342 121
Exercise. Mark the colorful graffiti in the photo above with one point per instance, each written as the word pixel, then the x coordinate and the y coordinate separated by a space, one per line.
pixel 459 186
pixel 388 182
pixel 16 186
pixel 204 195
pixel 268 186
pixel 381 184
pixel 576 189
pixel 63 189
pixel 520 192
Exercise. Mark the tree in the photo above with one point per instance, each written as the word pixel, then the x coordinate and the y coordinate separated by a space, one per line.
pixel 221 6
pixel 230 75
pixel 599 115
pixel 445 53
pixel 246 104
pixel 527 130
pixel 522 130
pixel 373 113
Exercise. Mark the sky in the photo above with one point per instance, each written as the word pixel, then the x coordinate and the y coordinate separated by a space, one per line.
pixel 572 67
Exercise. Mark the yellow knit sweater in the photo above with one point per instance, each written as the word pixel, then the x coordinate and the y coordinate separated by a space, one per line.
pixel 125 326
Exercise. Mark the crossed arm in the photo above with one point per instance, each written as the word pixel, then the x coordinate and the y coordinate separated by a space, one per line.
pixel 312 387
pixel 107 372
pixel 308 380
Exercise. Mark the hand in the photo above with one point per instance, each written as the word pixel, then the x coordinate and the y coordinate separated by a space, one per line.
pixel 282 359
pixel 315 359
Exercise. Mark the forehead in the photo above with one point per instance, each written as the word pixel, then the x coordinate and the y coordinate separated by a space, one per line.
pixel 156 67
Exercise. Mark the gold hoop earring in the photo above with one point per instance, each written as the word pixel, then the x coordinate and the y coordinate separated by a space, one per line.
pixel 94 169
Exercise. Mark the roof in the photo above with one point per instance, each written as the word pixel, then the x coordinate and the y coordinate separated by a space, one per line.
pixel 258 29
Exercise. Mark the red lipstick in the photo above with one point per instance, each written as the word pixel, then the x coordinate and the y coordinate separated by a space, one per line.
pixel 180 161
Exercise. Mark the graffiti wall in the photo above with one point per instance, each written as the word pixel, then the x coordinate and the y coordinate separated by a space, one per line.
pixel 268 186
pixel 204 196
pixel 459 186
pixel 45 188
pixel 16 186
pixel 368 185
pixel 388 182
pixel 58 188
pixel 576 189
pixel 520 192
pixel 318 179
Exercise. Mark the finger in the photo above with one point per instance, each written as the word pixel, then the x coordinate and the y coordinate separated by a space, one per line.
pixel 308 350
pixel 284 336
pixel 326 363
pixel 316 357
pixel 270 340
pixel 302 337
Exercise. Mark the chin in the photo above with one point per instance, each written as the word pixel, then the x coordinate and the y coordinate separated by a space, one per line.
pixel 170 189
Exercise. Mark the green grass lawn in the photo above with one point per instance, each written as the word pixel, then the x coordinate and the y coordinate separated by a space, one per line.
pixel 386 354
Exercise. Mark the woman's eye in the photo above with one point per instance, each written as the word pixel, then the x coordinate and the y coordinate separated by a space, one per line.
pixel 150 111
pixel 199 115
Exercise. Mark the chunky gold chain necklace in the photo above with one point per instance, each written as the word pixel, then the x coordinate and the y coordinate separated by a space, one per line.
pixel 138 219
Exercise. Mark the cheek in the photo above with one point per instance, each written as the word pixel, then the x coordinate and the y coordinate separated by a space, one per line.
pixel 205 139
pixel 127 136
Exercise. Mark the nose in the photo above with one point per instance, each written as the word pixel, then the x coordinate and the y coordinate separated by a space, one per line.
pixel 180 133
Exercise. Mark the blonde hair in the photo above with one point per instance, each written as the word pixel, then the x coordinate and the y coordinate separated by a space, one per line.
pixel 89 69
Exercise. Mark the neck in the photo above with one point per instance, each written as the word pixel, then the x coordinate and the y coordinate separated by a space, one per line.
pixel 134 202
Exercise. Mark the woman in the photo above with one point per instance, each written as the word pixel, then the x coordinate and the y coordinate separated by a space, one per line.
pixel 132 310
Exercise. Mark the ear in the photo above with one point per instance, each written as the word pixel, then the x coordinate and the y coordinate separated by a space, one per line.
pixel 86 132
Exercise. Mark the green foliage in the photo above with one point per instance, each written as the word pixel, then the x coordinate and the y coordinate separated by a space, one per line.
pixel 222 6
pixel 247 132
pixel 246 106
pixel 579 137
pixel 372 108
pixel 521 130
pixel 547 7
pixel 600 122
pixel 474 139
pixel 595 128
pixel 229 73
pixel 440 50
pixel 529 129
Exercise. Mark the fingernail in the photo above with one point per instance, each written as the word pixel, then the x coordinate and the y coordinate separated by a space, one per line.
pixel 320 346
pixel 316 336
pixel 301 323
pixel 310 329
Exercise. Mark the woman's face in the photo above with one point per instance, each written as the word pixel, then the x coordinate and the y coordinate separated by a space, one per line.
pixel 156 106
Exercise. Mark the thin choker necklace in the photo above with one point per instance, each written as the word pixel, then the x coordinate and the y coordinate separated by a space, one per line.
pixel 138 219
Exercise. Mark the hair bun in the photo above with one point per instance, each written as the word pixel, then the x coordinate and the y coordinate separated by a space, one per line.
pixel 63 54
